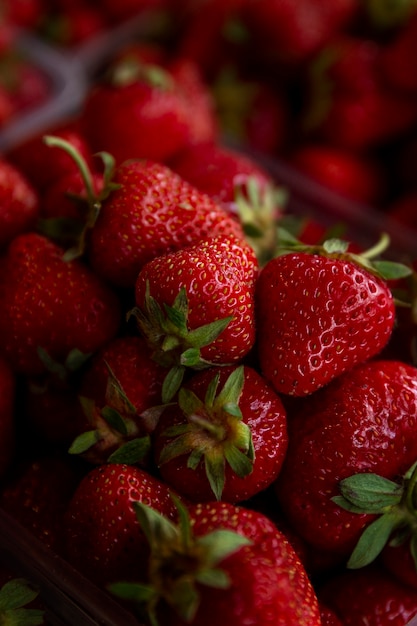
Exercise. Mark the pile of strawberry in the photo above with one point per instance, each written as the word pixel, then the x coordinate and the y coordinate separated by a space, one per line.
pixel 205 414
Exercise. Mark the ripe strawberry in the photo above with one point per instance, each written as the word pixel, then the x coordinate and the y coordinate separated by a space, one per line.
pixel 370 597
pixel 196 306
pixel 70 309
pixel 290 34
pixel 120 385
pixel 139 112
pixel 362 422
pixel 103 537
pixel 227 437
pixel 203 120
pixel 224 564
pixel 38 493
pixel 352 176
pixel 153 212
pixel 218 171
pixel 7 413
pixel 354 109
pixel 319 315
pixel 43 165
pixel 19 203
pixel 241 186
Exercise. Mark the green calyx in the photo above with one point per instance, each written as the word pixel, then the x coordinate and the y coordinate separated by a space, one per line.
pixel 259 211
pixel 15 595
pixel 339 249
pixel 93 200
pixel 395 504
pixel 214 432
pixel 115 434
pixel 179 564
pixel 173 345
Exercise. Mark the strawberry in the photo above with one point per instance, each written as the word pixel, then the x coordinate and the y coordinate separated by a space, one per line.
pixel 221 563
pixel 320 314
pixel 363 427
pixel 290 34
pixel 141 111
pixel 227 437
pixel 240 185
pixel 120 385
pixel 203 120
pixel 43 165
pixel 71 309
pixel 103 537
pixel 370 597
pixel 353 109
pixel 144 209
pixel 353 176
pixel 7 412
pixel 196 306
pixel 38 493
pixel 19 202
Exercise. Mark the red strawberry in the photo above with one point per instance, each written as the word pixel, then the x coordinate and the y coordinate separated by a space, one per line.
pixel 120 385
pixel 290 33
pixel 354 109
pixel 242 186
pixel 361 423
pixel 353 176
pixel 43 165
pixel 103 536
pixel 7 413
pixel 224 564
pixel 227 437
pixel 51 305
pixel 203 120
pixel 141 112
pixel 370 597
pixel 19 203
pixel 37 496
pixel 153 212
pixel 196 306
pixel 319 316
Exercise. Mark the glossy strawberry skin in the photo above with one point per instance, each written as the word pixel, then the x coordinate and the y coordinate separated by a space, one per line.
pixel 103 536
pixel 364 421
pixel 319 317
pixel 262 411
pixel 370 596
pixel 52 304
pixel 219 276
pixel 291 600
pixel 19 203
pixel 154 212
